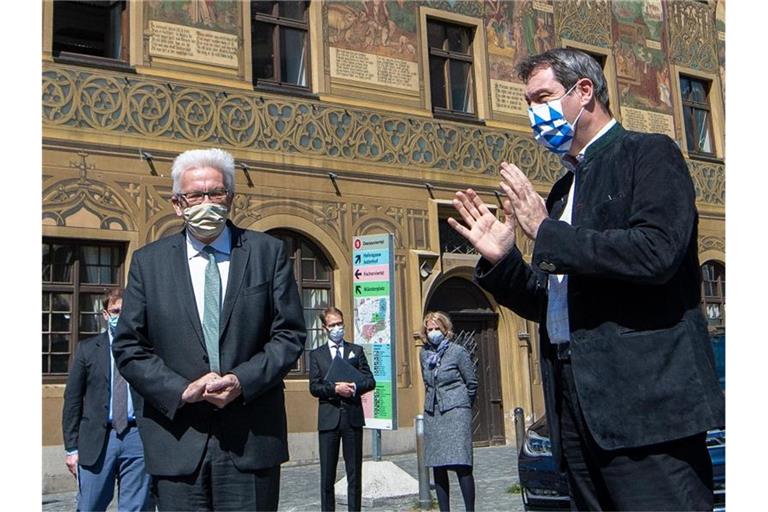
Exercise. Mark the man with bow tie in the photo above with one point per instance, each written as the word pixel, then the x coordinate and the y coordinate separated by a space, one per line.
pixel 340 410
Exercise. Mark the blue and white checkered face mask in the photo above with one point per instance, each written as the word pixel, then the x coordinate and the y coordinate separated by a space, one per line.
pixel 550 127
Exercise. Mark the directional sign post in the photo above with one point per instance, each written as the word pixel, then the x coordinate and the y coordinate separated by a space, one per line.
pixel 374 313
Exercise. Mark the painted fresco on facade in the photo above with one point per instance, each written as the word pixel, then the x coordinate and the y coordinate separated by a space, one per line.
pixel 641 68
pixel 472 8
pixel 378 27
pixel 516 30
pixel 219 15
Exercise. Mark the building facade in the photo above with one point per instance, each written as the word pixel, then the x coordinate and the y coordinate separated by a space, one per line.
pixel 345 118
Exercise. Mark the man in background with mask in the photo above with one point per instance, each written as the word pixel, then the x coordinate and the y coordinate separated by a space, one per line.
pixel 99 422
pixel 340 411
pixel 614 282
pixel 211 324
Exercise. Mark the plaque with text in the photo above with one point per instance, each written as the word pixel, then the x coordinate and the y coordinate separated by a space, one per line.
pixel 508 97
pixel 374 69
pixel 181 42
pixel 646 121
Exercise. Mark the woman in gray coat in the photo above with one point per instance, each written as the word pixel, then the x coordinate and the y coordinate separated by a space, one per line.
pixel 451 386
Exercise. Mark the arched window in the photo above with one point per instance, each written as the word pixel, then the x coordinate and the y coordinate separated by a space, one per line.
pixel 713 293
pixel 314 277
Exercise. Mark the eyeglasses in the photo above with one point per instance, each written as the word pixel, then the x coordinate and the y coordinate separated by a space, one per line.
pixel 217 195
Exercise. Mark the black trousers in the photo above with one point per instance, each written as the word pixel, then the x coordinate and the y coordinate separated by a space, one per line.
pixel 675 475
pixel 352 439
pixel 218 485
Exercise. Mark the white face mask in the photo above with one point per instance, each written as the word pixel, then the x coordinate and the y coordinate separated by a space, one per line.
pixel 206 220
pixel 336 333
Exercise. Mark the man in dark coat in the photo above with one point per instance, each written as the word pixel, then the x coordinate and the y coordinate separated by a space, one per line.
pixel 101 440
pixel 628 371
pixel 211 324
pixel 340 415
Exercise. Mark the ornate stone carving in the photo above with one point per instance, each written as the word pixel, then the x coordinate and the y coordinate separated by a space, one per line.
pixel 163 225
pixel 102 102
pixel 83 99
pixel 328 215
pixel 64 197
pixel 707 243
pixel 692 35
pixel 195 114
pixel 150 109
pixel 96 100
pixel 709 181
pixel 584 21
pixel 59 102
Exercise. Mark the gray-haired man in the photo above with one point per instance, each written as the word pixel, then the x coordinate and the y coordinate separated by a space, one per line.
pixel 211 324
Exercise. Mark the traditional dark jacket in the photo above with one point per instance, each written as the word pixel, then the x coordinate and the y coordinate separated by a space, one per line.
pixel 641 356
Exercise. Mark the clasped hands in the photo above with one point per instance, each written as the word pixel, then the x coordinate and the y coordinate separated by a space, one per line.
pixel 214 388
pixel 491 237
pixel 345 389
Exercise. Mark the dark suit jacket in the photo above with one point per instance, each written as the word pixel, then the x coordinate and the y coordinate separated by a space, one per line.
pixel 330 403
pixel 86 400
pixel 641 356
pixel 159 348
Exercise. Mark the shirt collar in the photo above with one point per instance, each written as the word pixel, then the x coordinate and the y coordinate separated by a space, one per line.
pixel 332 344
pixel 222 244
pixel 570 162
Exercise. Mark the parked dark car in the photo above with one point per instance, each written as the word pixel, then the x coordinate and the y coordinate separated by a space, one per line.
pixel 545 488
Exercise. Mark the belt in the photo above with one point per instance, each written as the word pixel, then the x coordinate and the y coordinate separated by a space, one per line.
pixel 564 351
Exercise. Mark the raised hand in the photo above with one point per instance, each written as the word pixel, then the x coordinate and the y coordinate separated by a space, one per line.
pixel 488 235
pixel 529 207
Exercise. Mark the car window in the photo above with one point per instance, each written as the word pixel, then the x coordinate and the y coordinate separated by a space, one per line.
pixel 718 346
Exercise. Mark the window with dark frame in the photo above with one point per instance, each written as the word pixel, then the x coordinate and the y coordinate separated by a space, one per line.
pixel 314 277
pixel 76 274
pixel 451 242
pixel 280 44
pixel 697 115
pixel 450 69
pixel 713 293
pixel 91 30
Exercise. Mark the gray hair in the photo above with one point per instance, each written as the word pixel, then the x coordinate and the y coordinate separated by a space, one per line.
pixel 199 158
pixel 569 66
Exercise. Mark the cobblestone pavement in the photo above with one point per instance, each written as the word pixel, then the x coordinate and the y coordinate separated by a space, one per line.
pixel 495 472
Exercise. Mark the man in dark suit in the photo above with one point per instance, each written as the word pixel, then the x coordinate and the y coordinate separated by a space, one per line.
pixel 340 411
pixel 101 440
pixel 627 366
pixel 211 324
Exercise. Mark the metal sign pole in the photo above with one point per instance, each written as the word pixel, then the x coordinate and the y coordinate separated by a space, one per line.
pixel 376 438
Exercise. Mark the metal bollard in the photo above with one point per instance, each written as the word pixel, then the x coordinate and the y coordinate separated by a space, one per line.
pixel 425 497
pixel 519 427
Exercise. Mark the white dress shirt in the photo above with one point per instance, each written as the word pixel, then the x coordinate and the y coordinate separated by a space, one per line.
pixel 558 322
pixel 198 261
pixel 333 347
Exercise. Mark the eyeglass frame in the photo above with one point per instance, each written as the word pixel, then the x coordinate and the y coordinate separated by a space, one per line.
pixel 227 194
